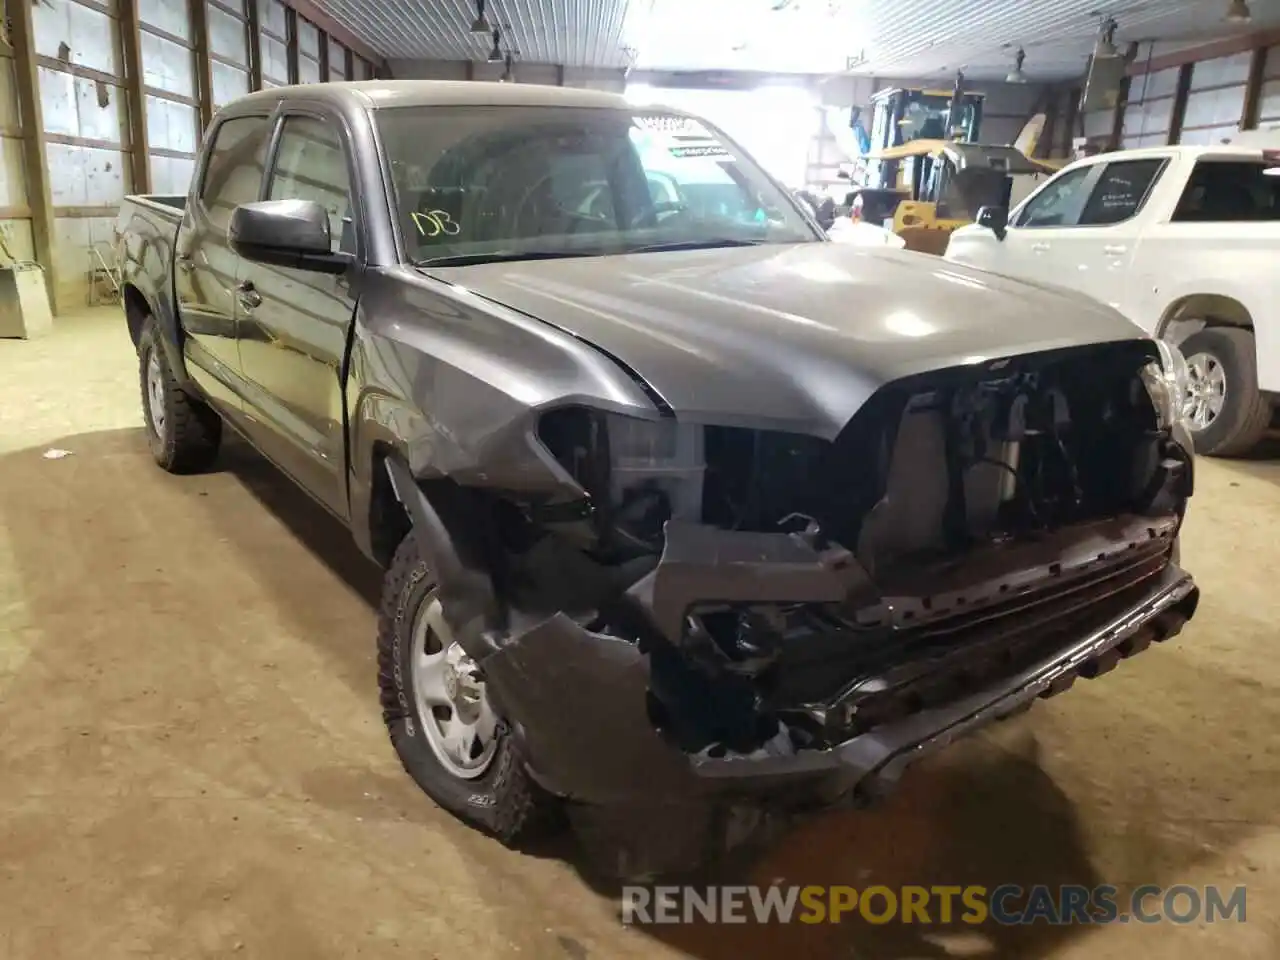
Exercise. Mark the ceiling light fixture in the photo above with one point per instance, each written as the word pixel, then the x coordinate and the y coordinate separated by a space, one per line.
pixel 481 23
pixel 1016 75
pixel 495 55
pixel 1106 45
pixel 1238 12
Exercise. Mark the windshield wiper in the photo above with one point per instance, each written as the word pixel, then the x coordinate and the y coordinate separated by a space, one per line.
pixel 501 256
pixel 702 243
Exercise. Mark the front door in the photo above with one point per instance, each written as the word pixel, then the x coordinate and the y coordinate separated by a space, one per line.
pixel 204 263
pixel 293 324
pixel 1031 248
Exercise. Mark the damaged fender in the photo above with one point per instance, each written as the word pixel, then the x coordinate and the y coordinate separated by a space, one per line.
pixel 580 701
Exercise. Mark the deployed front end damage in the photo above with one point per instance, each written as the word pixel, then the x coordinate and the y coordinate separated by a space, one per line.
pixel 716 624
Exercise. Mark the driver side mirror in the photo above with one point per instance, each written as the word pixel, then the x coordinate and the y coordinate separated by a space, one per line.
pixel 286 233
pixel 995 219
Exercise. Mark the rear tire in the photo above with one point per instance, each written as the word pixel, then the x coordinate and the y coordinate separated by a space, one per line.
pixel 500 799
pixel 184 433
pixel 1228 354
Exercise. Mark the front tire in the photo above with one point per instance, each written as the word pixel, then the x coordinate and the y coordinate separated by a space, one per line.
pixel 447 737
pixel 1228 413
pixel 184 433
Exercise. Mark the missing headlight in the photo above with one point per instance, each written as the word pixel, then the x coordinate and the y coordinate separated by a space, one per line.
pixel 640 473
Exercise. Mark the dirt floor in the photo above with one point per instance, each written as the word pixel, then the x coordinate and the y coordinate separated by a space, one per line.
pixel 192 762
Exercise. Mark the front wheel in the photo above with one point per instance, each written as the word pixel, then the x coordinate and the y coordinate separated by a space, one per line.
pixel 1226 411
pixel 438 713
pixel 183 432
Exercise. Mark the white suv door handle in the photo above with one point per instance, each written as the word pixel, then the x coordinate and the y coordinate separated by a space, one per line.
pixel 1040 247
pixel 1114 249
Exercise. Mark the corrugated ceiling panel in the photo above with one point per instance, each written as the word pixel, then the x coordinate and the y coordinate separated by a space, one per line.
pixel 570 32
pixel 898 38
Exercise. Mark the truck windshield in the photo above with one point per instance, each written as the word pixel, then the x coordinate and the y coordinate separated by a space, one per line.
pixel 510 182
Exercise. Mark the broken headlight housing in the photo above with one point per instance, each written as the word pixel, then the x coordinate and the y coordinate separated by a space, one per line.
pixel 1168 384
pixel 654 461
pixel 640 472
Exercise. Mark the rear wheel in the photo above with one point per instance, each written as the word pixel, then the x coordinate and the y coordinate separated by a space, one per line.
pixel 183 432
pixel 1226 412
pixel 439 716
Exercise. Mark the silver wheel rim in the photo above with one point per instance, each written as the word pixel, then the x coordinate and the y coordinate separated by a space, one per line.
pixel 1206 391
pixel 452 706
pixel 155 394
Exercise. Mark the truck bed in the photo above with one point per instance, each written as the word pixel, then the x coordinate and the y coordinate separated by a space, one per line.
pixel 145 231
pixel 168 207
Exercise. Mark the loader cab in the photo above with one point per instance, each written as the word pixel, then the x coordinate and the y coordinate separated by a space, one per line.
pixel 903 114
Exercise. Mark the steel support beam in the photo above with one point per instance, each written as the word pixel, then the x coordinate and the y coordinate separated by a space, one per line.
pixel 204 70
pixel 135 98
pixel 34 160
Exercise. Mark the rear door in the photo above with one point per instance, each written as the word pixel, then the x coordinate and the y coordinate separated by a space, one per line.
pixel 204 264
pixel 293 324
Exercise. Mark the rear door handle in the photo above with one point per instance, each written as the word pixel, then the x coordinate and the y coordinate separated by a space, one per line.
pixel 247 295
pixel 186 262
pixel 1115 249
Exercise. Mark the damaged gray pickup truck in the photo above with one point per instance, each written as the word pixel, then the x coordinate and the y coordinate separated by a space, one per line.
pixel 693 521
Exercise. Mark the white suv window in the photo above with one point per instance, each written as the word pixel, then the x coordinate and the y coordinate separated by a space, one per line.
pixel 1060 202
pixel 1121 191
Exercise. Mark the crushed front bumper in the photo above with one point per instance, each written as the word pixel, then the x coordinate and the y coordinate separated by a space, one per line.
pixel 578 700
pixel 582 703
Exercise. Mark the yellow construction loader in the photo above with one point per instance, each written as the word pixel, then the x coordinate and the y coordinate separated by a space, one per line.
pixel 945 184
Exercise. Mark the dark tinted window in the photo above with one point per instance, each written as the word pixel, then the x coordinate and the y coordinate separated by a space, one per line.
pixel 1232 190
pixel 1120 191
pixel 311 165
pixel 236 161
pixel 1058 204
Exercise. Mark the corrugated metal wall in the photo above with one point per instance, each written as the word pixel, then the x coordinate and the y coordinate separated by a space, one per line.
pixel 85 120
pixel 1216 99
pixel 1200 101
pixel 109 128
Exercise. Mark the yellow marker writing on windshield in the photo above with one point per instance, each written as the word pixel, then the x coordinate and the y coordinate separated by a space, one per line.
pixel 435 222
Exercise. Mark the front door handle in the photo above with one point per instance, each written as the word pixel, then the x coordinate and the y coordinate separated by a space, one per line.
pixel 1115 249
pixel 186 262
pixel 1040 247
pixel 247 295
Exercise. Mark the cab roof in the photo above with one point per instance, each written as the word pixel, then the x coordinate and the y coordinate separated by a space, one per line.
pixel 376 94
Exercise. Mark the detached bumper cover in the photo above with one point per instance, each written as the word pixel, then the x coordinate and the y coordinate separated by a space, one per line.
pixel 579 701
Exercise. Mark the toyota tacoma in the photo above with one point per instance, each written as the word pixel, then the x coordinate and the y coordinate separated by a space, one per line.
pixel 693 521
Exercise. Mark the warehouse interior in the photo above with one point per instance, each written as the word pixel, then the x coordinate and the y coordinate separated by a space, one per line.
pixel 194 758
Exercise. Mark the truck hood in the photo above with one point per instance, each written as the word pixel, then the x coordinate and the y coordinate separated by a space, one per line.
pixel 788 337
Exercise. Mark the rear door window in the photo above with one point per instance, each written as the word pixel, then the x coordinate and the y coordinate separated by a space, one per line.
pixel 1226 191
pixel 1121 191
pixel 233 172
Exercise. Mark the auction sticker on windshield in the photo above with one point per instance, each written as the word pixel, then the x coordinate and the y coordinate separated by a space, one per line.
pixel 682 137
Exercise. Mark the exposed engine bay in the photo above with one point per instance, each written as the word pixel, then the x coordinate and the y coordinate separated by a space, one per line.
pixel 960 525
